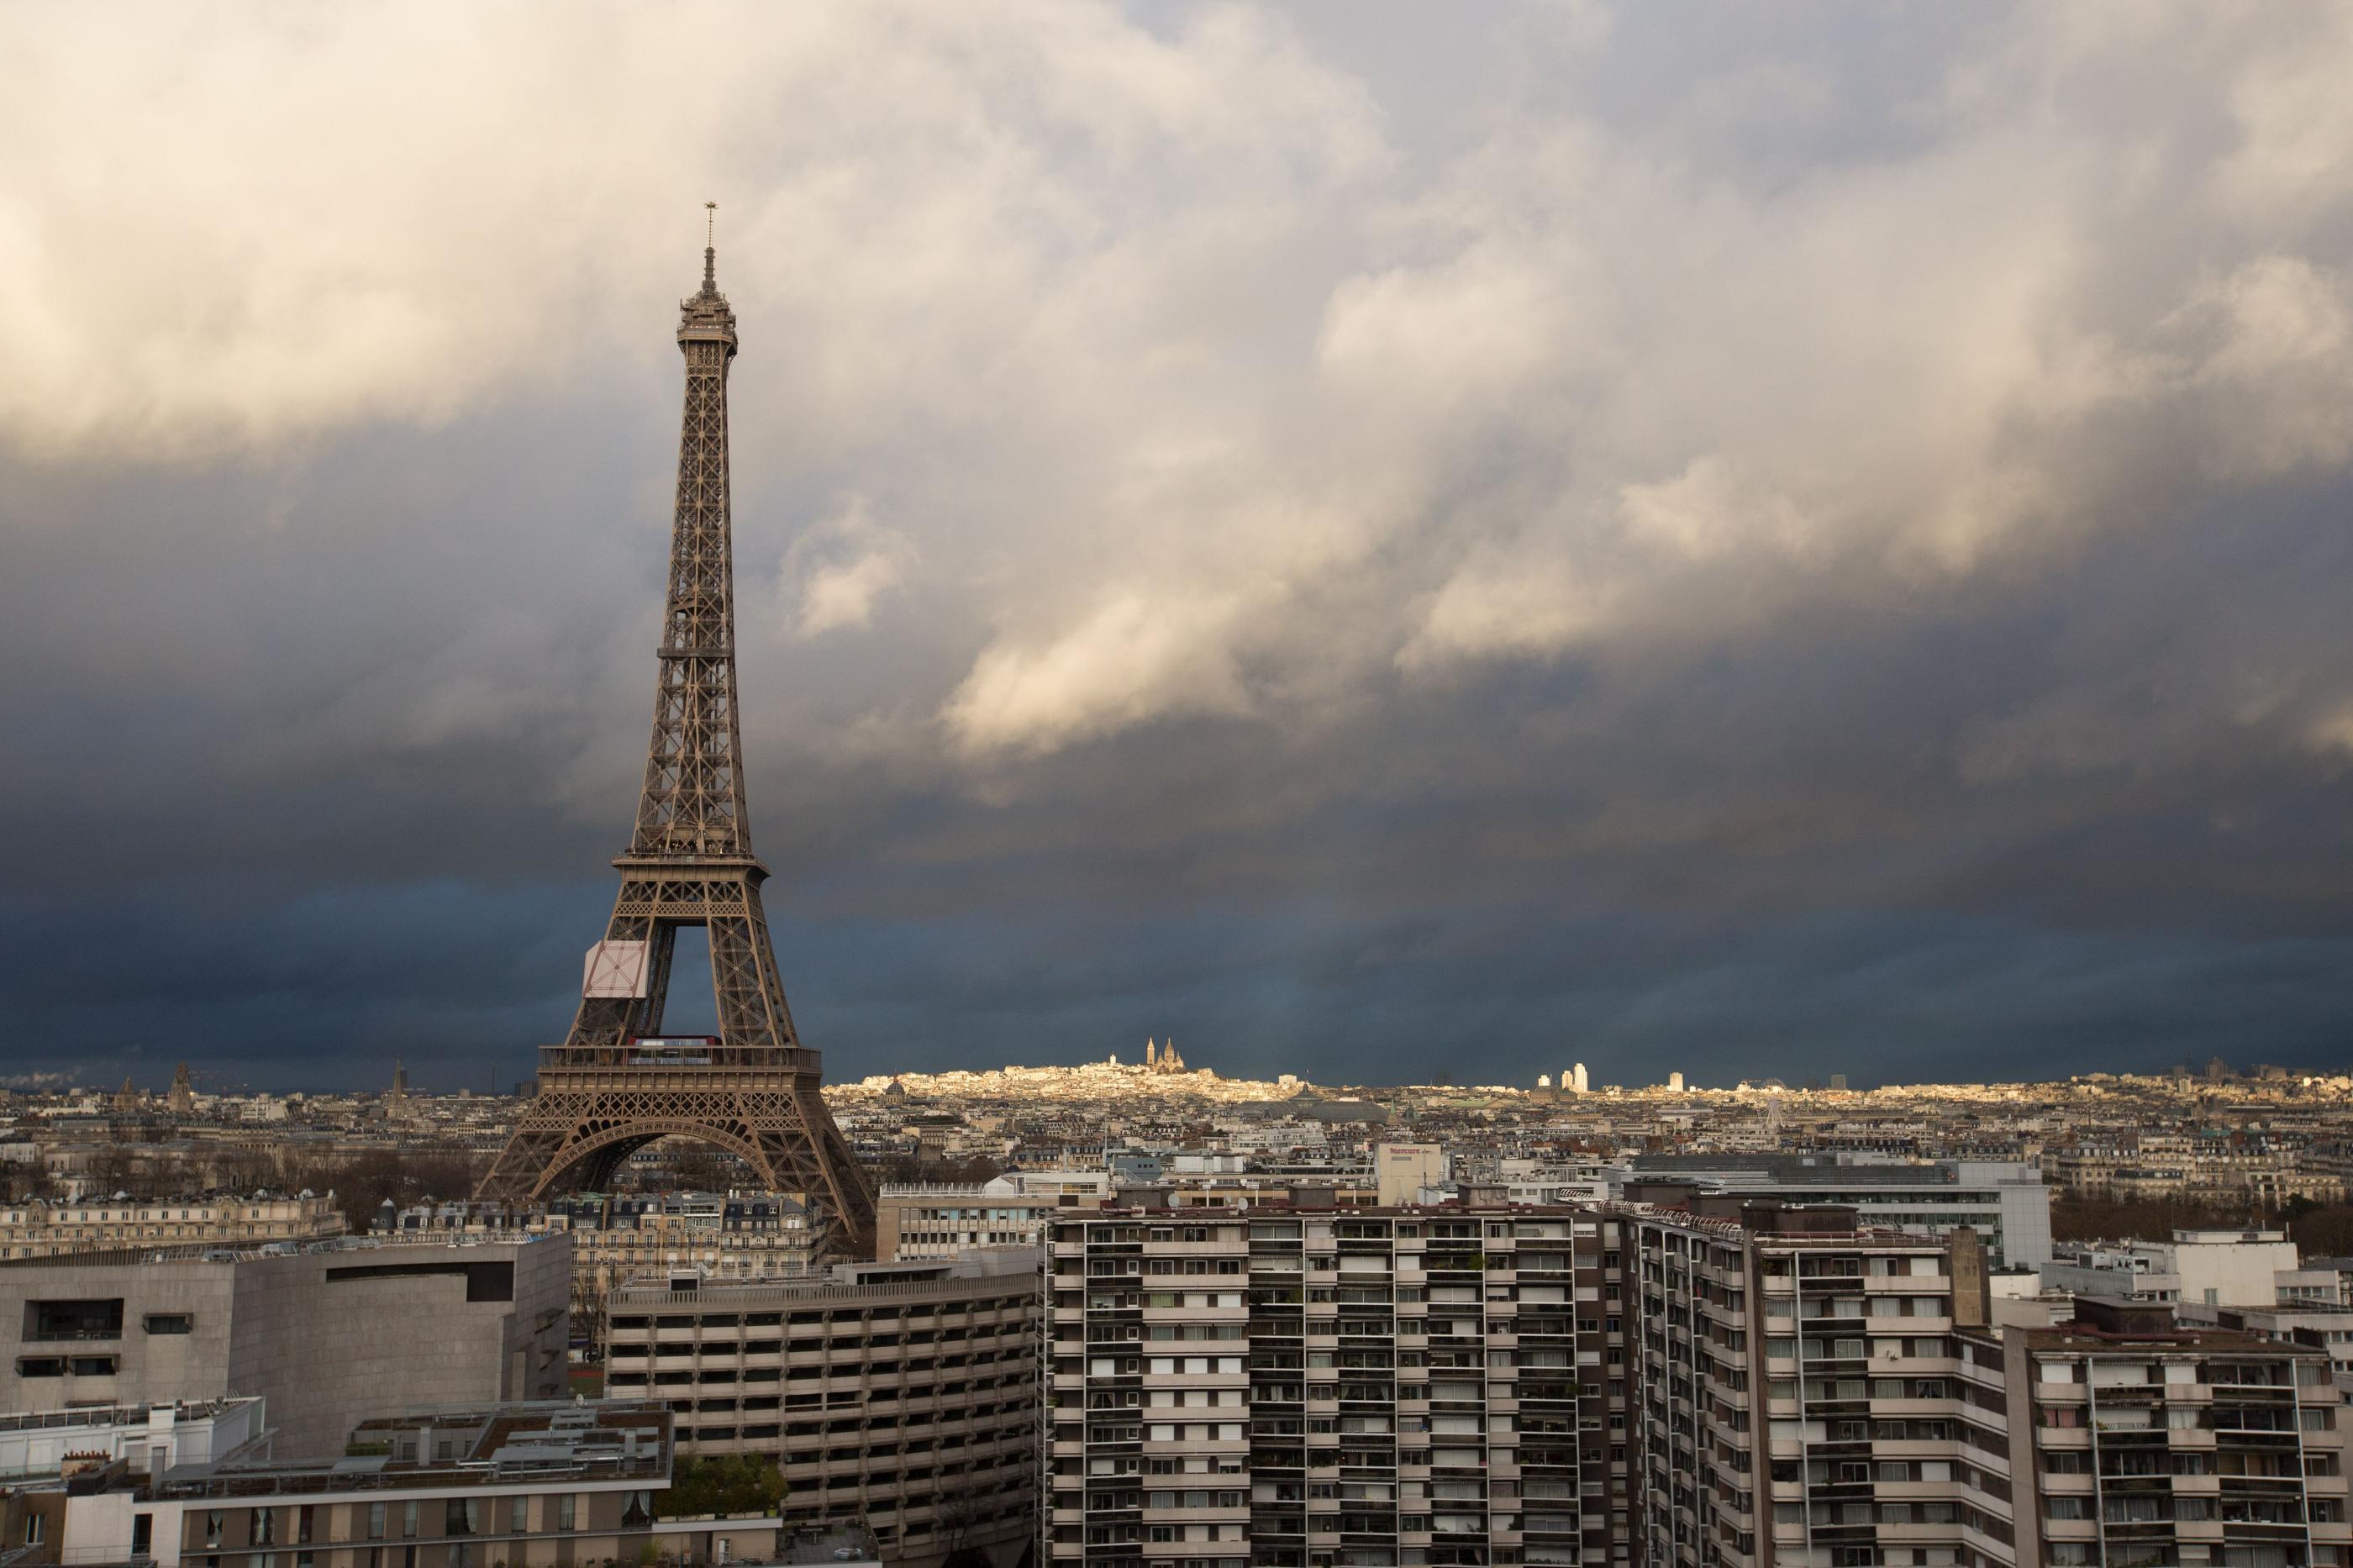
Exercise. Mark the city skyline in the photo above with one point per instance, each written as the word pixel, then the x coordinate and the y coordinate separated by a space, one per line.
pixel 1767 549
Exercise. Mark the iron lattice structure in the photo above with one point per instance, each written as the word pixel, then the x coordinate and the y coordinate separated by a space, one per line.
pixel 616 1084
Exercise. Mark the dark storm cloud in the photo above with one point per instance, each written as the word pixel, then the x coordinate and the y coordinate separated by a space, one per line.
pixel 1774 549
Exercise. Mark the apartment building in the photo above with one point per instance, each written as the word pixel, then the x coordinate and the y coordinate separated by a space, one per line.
pixel 2326 1329
pixel 903 1397
pixel 1303 1387
pixel 2173 1171
pixel 1796 1388
pixel 38 1229
pixel 1898 1425
pixel 2235 1268
pixel 329 1336
pixel 1255 1189
pixel 2138 1441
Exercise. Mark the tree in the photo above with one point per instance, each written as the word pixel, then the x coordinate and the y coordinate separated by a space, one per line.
pixel 2151 1219
pixel 939 1169
pixel 722 1484
pixel 2320 1230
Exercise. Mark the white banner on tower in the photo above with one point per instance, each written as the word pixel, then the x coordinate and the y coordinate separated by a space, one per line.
pixel 615 969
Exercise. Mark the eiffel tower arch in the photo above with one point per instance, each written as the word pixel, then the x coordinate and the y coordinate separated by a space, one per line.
pixel 618 1083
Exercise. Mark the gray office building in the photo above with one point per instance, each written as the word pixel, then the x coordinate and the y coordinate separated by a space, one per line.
pixel 2004 1202
pixel 329 1336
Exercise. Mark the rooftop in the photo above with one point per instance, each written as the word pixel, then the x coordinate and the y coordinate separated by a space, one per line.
pixel 244 1249
pixel 117 1414
pixel 498 1444
pixel 937 1277
pixel 1801 1169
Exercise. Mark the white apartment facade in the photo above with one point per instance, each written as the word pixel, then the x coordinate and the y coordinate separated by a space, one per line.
pixel 1378 1387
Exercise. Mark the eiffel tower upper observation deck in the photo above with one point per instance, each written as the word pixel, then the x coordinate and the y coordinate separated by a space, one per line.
pixel 616 1084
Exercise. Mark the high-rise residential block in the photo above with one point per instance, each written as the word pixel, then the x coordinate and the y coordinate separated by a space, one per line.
pixel 2135 1439
pixel 1795 1375
pixel 1295 1388
pixel 1816 1395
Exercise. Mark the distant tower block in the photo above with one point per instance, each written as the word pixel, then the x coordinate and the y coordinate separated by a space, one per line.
pixel 1675 1082
pixel 1584 1085
pixel 618 1083
pixel 1543 1081
pixel 1838 1083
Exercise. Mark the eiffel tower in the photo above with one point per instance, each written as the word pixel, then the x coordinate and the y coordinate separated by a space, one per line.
pixel 616 1084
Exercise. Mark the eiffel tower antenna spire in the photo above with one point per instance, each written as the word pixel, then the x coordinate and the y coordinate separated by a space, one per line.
pixel 618 1083
pixel 711 247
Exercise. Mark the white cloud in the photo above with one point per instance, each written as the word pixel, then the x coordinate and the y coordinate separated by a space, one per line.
pixel 221 232
pixel 2333 732
pixel 1140 655
pixel 842 568
pixel 1189 384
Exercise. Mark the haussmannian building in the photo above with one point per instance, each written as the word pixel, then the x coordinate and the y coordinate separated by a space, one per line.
pixel 35 1229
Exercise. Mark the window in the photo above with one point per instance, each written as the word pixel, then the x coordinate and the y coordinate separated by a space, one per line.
pixel 93 1366
pixel 170 1323
pixel 565 1514
pixel 408 1524
pixel 89 1317
pixel 375 1522
pixel 35 1524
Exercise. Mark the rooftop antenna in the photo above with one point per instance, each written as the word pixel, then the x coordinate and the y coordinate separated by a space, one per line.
pixel 710 247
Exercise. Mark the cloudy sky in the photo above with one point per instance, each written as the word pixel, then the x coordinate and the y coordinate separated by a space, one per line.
pixel 1376 540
